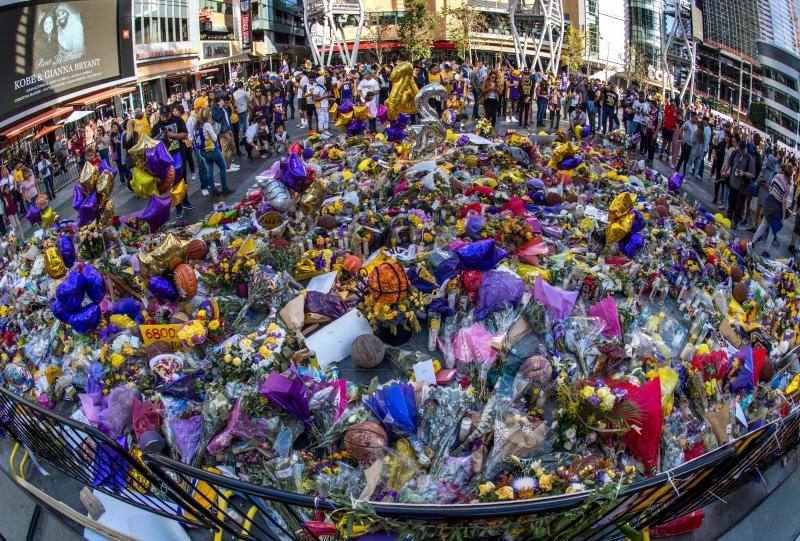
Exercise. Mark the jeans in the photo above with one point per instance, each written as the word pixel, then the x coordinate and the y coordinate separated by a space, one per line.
pixel 683 161
pixel 490 110
pixel 373 125
pixel 289 106
pixel 214 157
pixel 736 197
pixel 48 186
pixel 524 112
pixel 607 117
pixel 202 170
pixel 243 123
pixel 541 112
pixel 475 105
pixel 695 167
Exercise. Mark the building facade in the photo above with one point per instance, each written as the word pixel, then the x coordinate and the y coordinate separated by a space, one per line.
pixel 780 25
pixel 180 44
pixel 781 78
pixel 645 19
pixel 277 26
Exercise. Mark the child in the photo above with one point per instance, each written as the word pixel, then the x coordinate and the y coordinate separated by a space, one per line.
pixel 555 108
pixel 455 103
pixel 277 108
pixel 281 139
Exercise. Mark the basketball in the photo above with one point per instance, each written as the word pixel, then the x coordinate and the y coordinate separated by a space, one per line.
pixel 388 283
pixel 365 440
pixel 737 273
pixel 367 351
pixel 740 292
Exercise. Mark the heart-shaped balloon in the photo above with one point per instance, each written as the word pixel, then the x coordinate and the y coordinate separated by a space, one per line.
pixel 61 313
pixel 70 292
pixel 66 247
pixel 107 213
pixel 158 160
pixel 105 184
pixel 157 211
pixel 94 283
pixel 88 209
pixel 88 177
pixel 162 288
pixel 178 192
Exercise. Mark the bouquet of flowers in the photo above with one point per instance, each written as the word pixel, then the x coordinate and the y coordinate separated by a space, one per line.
pixel 232 268
pixel 90 240
pixel 403 314
pixel 509 231
pixel 617 137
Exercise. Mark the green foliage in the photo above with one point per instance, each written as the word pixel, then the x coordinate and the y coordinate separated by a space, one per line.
pixel 415 30
pixel 758 115
pixel 573 50
pixel 462 22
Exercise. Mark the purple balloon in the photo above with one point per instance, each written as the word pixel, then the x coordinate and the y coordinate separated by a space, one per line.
pixel 462 141
pixel 77 197
pixel 345 107
pixel 294 175
pixel 34 214
pixel 86 319
pixel 162 288
pixel 157 211
pixel 308 153
pixel 66 247
pixel 638 221
pixel 675 182
pixel 395 134
pixel 61 313
pixel 177 163
pixel 158 160
pixel 69 293
pixel 105 167
pixel 631 244
pixel 585 131
pixel 356 127
pixel 88 209
pixel 403 119
pixel 570 163
pixel 95 284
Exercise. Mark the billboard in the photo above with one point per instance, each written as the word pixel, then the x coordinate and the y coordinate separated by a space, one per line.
pixel 247 26
pixel 54 49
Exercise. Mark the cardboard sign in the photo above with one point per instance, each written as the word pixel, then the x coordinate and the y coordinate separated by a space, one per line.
pixel 161 333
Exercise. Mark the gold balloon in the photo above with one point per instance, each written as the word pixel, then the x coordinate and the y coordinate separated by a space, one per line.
pixel 343 120
pixel 313 196
pixel 178 192
pixel 54 264
pixel 168 254
pixel 88 177
pixel 144 144
pixel 404 91
pixel 106 216
pixel 361 112
pixel 49 217
pixel 617 229
pixel 105 184
pixel 621 205
pixel 143 183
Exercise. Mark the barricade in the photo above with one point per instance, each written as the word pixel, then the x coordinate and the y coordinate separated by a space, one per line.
pixel 211 500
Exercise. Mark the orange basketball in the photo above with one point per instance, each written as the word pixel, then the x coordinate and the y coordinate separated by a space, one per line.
pixel 388 283
pixel 185 281
pixel 352 264
pixel 365 440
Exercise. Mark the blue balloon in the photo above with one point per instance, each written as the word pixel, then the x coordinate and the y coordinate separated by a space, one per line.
pixel 130 307
pixel 95 283
pixel 178 165
pixel 162 288
pixel 86 319
pixel 638 221
pixel 631 244
pixel 66 247
pixel 88 209
pixel 482 255
pixel 70 292
pixel 308 153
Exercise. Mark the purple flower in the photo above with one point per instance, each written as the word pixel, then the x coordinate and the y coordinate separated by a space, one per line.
pixel 594 400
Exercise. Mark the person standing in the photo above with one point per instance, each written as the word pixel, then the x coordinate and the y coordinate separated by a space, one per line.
pixel 698 154
pixel 720 151
pixel 490 97
pixel 687 135
pixel 172 128
pixel 320 94
pixel 526 91
pixel 542 100
pixel 653 121
pixel 222 122
pixel 129 140
pixel 555 107
pixel 45 169
pixel 668 129
pixel 368 90
pixel 743 170
pixel 774 209
pixel 206 142
pixel 476 78
pixel 11 208
pixel 241 98
pixel 610 99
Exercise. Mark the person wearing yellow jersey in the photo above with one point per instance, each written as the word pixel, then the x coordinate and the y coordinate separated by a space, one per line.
pixel 141 125
pixel 435 77
pixel 448 78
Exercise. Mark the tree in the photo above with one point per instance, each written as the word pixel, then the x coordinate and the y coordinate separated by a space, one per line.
pixel 573 48
pixel 377 32
pixel 462 22
pixel 415 30
pixel 758 115
pixel 637 66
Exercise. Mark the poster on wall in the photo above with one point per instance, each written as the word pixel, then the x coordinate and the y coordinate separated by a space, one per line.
pixel 54 48
pixel 247 26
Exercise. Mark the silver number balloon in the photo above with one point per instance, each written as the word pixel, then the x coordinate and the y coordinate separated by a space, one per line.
pixel 432 131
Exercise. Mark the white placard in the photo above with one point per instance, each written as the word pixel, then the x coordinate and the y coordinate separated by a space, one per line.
pixel 332 342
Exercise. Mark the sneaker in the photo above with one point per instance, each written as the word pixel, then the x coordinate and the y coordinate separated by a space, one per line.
pixel 179 214
pixel 205 192
pixel 188 205
pixel 194 176
pixel 508 119
pixel 227 191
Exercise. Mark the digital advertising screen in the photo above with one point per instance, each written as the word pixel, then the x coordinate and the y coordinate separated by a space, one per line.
pixel 52 49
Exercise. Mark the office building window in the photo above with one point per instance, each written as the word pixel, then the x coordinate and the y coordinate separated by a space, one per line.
pixel 160 21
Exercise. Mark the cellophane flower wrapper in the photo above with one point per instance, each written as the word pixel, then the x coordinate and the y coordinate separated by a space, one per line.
pixel 118 414
pixel 346 484
pixel 110 468
pixel 513 437
pixel 441 413
pixel 482 255
pixel 240 426
pixel 290 393
pixel 471 348
pixel 606 309
pixel 644 437
pixel 499 289
pixel 187 433
pixel 580 335
pixel 330 305
pixel 146 417
pixel 557 302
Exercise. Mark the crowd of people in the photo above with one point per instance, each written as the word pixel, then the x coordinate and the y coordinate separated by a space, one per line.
pixel 215 125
